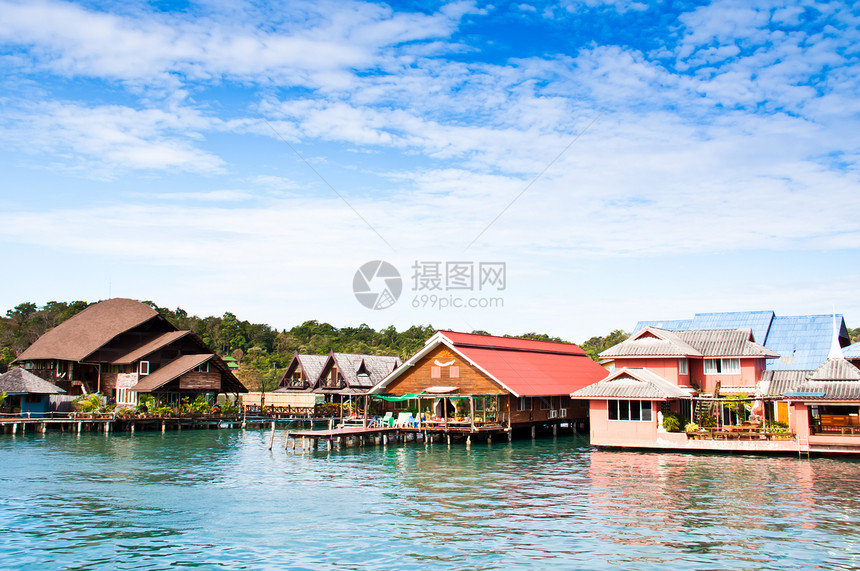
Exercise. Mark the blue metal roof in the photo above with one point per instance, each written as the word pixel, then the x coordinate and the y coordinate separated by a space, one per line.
pixel 852 351
pixel 803 341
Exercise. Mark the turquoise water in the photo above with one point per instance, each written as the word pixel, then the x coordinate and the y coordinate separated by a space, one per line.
pixel 220 499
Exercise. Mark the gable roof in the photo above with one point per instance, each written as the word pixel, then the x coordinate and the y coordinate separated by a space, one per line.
pixel 632 383
pixel 89 330
pixel 169 372
pixel 361 371
pixel 836 370
pixel 21 381
pixel 182 365
pixel 802 341
pixel 652 342
pixel 835 379
pixel 147 348
pixel 523 367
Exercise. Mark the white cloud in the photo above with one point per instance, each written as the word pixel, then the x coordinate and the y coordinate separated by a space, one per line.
pixel 112 137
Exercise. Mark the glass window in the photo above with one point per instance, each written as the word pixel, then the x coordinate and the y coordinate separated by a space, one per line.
pixel 632 410
pixel 725 366
pixel 613 410
pixel 682 366
pixel 144 368
pixel 646 409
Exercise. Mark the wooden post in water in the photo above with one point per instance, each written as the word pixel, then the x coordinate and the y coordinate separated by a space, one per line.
pixel 555 429
pixel 534 431
pixel 80 424
pixel 163 426
pixel 44 427
pixel 469 441
pixel 272 437
pixel 15 428
pixel 131 427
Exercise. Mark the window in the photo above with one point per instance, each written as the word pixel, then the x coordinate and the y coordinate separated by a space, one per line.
pixel 435 372
pixel 545 403
pixel 201 368
pixel 143 368
pixel 126 397
pixel 682 367
pixel 524 404
pixel 454 372
pixel 724 366
pixel 634 410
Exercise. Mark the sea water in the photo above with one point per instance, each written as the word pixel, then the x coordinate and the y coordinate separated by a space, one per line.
pixel 219 499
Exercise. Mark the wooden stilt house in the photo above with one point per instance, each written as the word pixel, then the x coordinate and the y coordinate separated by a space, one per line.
pixel 463 381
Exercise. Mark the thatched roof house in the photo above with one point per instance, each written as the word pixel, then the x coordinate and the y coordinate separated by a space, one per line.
pixel 121 347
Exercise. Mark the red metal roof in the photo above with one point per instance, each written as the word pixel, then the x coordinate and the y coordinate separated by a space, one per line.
pixel 511 343
pixel 529 368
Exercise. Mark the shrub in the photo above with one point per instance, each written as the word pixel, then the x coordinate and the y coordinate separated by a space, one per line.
pixel 691 427
pixel 88 403
pixel 145 403
pixel 200 405
pixel 673 422
pixel 229 408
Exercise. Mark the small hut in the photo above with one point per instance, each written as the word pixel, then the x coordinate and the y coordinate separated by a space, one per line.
pixel 27 393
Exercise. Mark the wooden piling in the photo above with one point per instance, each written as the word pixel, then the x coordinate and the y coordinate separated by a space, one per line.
pixel 272 437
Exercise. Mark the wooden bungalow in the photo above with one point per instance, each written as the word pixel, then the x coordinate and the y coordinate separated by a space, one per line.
pixel 302 373
pixel 122 347
pixel 463 382
pixel 27 394
pixel 348 374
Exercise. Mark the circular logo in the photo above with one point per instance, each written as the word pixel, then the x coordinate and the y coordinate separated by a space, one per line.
pixel 377 285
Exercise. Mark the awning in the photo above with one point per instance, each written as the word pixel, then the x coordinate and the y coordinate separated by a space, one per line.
pixel 439 390
pixel 394 399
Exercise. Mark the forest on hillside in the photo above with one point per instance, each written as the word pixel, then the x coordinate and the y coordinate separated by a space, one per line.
pixel 262 351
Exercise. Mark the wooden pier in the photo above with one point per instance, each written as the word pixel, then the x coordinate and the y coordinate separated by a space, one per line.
pixel 77 423
pixel 359 436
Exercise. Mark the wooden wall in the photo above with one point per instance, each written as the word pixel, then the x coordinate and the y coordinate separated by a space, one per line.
pixel 200 381
pixel 418 378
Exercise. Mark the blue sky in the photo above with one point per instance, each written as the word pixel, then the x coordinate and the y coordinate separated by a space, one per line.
pixel 625 160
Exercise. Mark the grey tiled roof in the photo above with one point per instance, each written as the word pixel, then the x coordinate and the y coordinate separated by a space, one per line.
pixel 836 379
pixel 652 342
pixel 20 381
pixel 364 370
pixel 632 384
pixel 835 390
pixel 836 370
pixel 781 382
pixel 312 366
pixel 666 343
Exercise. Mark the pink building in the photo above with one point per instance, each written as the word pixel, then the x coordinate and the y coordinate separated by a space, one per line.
pixel 690 374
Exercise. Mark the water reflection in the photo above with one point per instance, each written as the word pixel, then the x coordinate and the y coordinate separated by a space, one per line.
pixel 220 498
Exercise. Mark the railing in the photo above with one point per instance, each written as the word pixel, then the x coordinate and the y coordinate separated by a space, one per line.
pixel 842 429
pixel 738 433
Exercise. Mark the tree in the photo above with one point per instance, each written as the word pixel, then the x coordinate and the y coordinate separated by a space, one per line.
pixel 596 345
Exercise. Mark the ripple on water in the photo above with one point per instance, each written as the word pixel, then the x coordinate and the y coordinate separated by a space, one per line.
pixel 220 499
